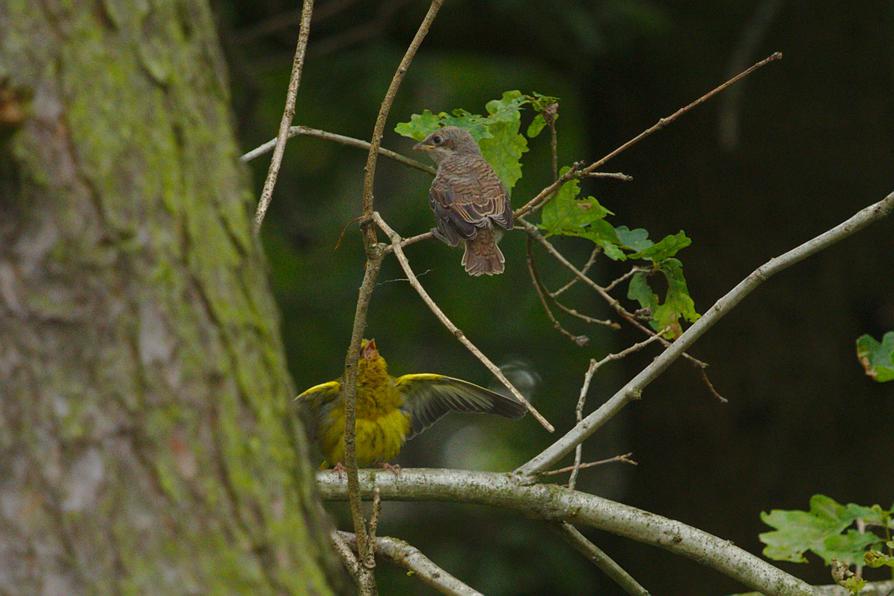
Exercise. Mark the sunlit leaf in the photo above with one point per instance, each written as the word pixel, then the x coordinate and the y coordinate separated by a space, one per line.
pixel 877 358
pixel 536 126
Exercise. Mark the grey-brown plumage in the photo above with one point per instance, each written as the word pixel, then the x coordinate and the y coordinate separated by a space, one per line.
pixel 469 201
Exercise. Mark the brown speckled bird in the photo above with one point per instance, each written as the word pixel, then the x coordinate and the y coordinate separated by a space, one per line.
pixel 468 199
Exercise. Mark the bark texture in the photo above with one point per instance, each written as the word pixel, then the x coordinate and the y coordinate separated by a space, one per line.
pixel 145 442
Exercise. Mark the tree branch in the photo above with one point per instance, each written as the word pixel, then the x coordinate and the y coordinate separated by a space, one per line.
pixel 557 503
pixel 411 558
pixel 341 139
pixel 598 557
pixel 288 113
pixel 633 389
pixel 373 265
pixel 411 277
pixel 579 340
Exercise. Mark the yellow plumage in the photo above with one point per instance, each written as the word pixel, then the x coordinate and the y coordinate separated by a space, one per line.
pixel 392 410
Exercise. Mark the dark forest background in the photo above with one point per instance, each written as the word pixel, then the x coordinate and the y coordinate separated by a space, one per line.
pixel 814 143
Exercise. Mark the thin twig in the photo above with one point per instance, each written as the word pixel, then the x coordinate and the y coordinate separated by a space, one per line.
pixel 571 282
pixel 615 175
pixel 633 271
pixel 707 381
pixel 287 115
pixel 493 368
pixel 374 255
pixel 547 192
pixel 634 388
pixel 412 559
pixel 557 504
pixel 295 131
pixel 624 458
pixel 586 318
pixel 580 340
pixel 550 113
pixel 585 387
pixel 599 558
pixel 374 516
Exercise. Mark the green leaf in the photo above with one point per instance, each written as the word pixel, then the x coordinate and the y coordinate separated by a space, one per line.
pixel 818 530
pixel 568 215
pixel 635 240
pixel 420 125
pixel 877 358
pixel 677 304
pixel 536 126
pixel 666 248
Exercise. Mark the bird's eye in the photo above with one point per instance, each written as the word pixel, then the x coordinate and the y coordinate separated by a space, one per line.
pixel 437 139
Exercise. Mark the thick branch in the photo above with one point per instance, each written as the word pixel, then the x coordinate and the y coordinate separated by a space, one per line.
pixel 598 557
pixel 412 559
pixel 414 281
pixel 341 139
pixel 556 503
pixel 288 113
pixel 633 389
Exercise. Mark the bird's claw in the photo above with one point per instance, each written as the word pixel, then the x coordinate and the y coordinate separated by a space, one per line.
pixel 393 468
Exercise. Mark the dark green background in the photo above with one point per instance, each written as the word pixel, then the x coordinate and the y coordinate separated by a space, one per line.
pixel 816 144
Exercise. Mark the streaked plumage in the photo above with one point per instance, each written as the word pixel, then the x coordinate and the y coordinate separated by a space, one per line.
pixel 468 199
pixel 390 410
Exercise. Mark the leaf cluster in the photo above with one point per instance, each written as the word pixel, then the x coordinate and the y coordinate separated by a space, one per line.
pixel 876 357
pixel 827 530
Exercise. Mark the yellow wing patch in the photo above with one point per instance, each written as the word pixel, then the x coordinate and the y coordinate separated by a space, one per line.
pixel 321 389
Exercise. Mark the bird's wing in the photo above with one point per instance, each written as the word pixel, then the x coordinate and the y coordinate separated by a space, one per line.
pixel 429 396
pixel 466 194
pixel 316 403
pixel 324 392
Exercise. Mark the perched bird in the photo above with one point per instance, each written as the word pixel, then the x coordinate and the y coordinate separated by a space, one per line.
pixel 392 410
pixel 469 200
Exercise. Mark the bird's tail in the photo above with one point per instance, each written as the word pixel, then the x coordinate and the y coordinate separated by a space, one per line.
pixel 483 256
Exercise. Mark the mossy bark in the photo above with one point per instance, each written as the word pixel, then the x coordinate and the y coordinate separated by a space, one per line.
pixel 145 441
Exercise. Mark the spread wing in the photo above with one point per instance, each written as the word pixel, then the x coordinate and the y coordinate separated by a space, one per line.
pixel 319 399
pixel 428 396
pixel 466 195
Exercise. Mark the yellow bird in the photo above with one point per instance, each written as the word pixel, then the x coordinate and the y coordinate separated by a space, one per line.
pixel 390 410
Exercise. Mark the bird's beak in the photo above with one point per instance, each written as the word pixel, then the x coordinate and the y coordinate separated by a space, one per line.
pixel 423 146
pixel 369 350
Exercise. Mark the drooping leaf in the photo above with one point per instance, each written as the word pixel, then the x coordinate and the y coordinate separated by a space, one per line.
pixel 677 303
pixel 536 126
pixel 877 358
pixel 635 240
pixel 875 559
pixel 818 530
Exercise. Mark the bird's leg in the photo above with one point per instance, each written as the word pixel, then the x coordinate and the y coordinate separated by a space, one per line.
pixel 393 468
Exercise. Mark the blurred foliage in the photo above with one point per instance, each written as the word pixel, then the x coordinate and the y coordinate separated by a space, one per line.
pixel 817 142
pixel 876 357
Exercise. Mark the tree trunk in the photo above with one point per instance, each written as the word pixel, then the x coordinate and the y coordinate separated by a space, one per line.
pixel 145 440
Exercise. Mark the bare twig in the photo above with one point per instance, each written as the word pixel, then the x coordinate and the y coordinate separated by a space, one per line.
pixel 624 458
pixel 615 175
pixel 558 504
pixel 634 388
pixel 707 381
pixel 366 580
pixel 374 255
pixel 585 387
pixel 547 192
pixel 376 511
pixel 580 340
pixel 599 558
pixel 412 559
pixel 336 138
pixel 586 318
pixel 633 271
pixel 571 282
pixel 288 114
pixel 405 265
